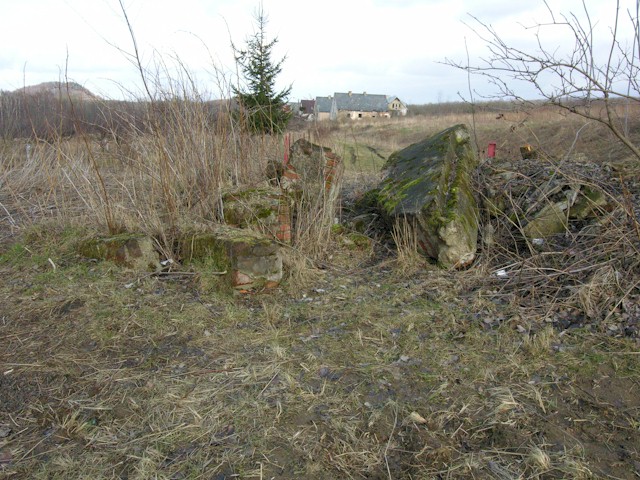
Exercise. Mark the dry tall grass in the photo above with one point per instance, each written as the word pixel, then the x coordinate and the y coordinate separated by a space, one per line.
pixel 160 180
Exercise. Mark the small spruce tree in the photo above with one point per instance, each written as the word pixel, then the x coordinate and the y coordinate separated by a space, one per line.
pixel 265 109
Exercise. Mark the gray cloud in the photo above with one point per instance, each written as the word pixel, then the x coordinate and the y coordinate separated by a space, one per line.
pixel 381 46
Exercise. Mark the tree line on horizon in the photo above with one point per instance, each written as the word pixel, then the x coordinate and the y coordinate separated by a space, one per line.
pixel 44 116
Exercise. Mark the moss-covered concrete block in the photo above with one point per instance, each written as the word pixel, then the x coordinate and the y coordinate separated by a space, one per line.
pixel 251 208
pixel 554 218
pixel 551 220
pixel 243 258
pixel 133 251
pixel 588 203
pixel 267 210
pixel 428 185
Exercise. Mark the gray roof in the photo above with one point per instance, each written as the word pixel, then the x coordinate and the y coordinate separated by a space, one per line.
pixel 363 102
pixel 323 104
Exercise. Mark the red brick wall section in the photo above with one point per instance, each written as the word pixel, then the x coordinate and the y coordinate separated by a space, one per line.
pixel 290 176
pixel 330 169
pixel 283 233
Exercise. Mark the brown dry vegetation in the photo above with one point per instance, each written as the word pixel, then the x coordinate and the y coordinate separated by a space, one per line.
pixel 367 362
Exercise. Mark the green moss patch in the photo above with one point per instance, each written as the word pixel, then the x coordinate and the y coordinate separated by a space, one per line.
pixel 129 250
pixel 243 258
pixel 429 184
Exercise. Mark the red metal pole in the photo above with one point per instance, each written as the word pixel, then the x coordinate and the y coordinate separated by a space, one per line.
pixel 286 150
pixel 491 151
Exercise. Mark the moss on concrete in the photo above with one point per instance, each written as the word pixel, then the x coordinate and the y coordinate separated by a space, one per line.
pixel 551 220
pixel 130 250
pixel 242 258
pixel 357 241
pixel 588 203
pixel 429 183
pixel 205 248
pixel 252 207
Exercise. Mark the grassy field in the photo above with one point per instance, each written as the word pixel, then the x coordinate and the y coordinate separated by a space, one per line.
pixel 368 362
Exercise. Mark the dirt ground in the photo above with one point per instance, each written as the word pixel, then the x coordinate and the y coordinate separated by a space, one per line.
pixel 358 369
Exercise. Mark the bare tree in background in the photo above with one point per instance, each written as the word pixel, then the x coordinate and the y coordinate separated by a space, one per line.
pixel 577 79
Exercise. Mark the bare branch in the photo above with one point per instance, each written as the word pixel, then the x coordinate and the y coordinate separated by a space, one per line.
pixel 571 79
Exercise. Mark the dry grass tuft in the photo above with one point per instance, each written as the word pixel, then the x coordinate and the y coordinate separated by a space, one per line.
pixel 596 295
pixel 539 461
pixel 409 261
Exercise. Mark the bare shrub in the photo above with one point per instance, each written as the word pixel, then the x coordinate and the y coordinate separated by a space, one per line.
pixel 578 79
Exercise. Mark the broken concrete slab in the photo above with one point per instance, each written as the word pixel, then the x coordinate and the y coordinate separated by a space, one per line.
pixel 428 185
pixel 543 200
pixel 133 251
pixel 588 203
pixel 243 258
pixel 572 202
pixel 551 220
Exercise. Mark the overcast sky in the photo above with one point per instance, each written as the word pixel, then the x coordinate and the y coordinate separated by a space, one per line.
pixel 377 46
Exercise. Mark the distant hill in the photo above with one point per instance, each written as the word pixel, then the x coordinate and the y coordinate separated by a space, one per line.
pixel 58 89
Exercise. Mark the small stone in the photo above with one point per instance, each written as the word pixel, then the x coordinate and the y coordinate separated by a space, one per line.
pixel 326 372
pixel 5 457
pixel 415 417
pixel 452 360
pixel 404 358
